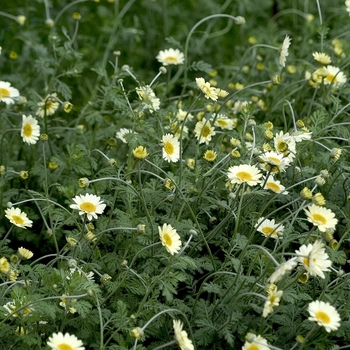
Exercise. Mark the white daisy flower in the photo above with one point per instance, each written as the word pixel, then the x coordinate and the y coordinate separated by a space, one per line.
pixel 170 56
pixel 18 218
pixel 334 76
pixel 148 97
pixel 181 337
pixel 284 50
pixel 244 173
pixel 325 315
pixel 274 161
pixel 204 131
pixel 30 131
pixel 58 341
pixel 48 106
pixel 8 94
pixel 208 91
pixel 269 228
pixel 314 258
pixel 223 122
pixel 321 217
pixel 301 135
pixel 88 204
pixel 181 115
pixel 273 299
pixel 283 269
pixel 274 185
pixel 122 133
pixel 171 148
pixel 322 58
pixel 170 238
pixel 255 342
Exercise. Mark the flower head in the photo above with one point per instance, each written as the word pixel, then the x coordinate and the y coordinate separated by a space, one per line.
pixel 334 76
pixel 4 265
pixel 30 131
pixel 223 122
pixel 88 204
pixel 25 253
pixel 48 106
pixel 204 131
pixel 210 155
pixel 283 269
pixel 244 173
pixel 148 98
pixel 170 238
pixel 208 91
pixel 140 152
pixel 324 314
pixel 322 58
pixel 18 218
pixel 284 50
pixel 321 217
pixel 269 228
pixel 171 148
pixel 170 56
pixel 255 342
pixel 274 185
pixel 8 94
pixel 181 337
pixel 58 341
pixel 274 161
pixel 122 133
pixel 314 258
pixel 273 299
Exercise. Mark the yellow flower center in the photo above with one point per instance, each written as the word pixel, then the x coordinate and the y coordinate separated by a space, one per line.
pixel 319 219
pixel 27 130
pixel 171 59
pixel 272 299
pixel 167 239
pixel 273 187
pixel 4 92
pixel 253 347
pixel 17 219
pixel 282 146
pixel 274 160
pixel 206 131
pixel 88 207
pixel 244 176
pixel 64 347
pixel 323 317
pixel 267 230
pixel 306 262
pixel 222 123
pixel 331 78
pixel 169 148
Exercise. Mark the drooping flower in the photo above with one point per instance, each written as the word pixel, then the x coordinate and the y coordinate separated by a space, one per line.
pixel 170 56
pixel 140 152
pixel 223 122
pixel 283 269
pixel 274 185
pixel 284 50
pixel 8 94
pixel 334 76
pixel 209 92
pixel 181 337
pixel 4 265
pixel 170 238
pixel 321 217
pixel 88 204
pixel 148 98
pixel 25 253
pixel 48 106
pixel 244 173
pixel 58 341
pixel 30 131
pixel 322 58
pixel 273 299
pixel 18 218
pixel 255 342
pixel 171 148
pixel 324 314
pixel 314 258
pixel 204 131
pixel 269 228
